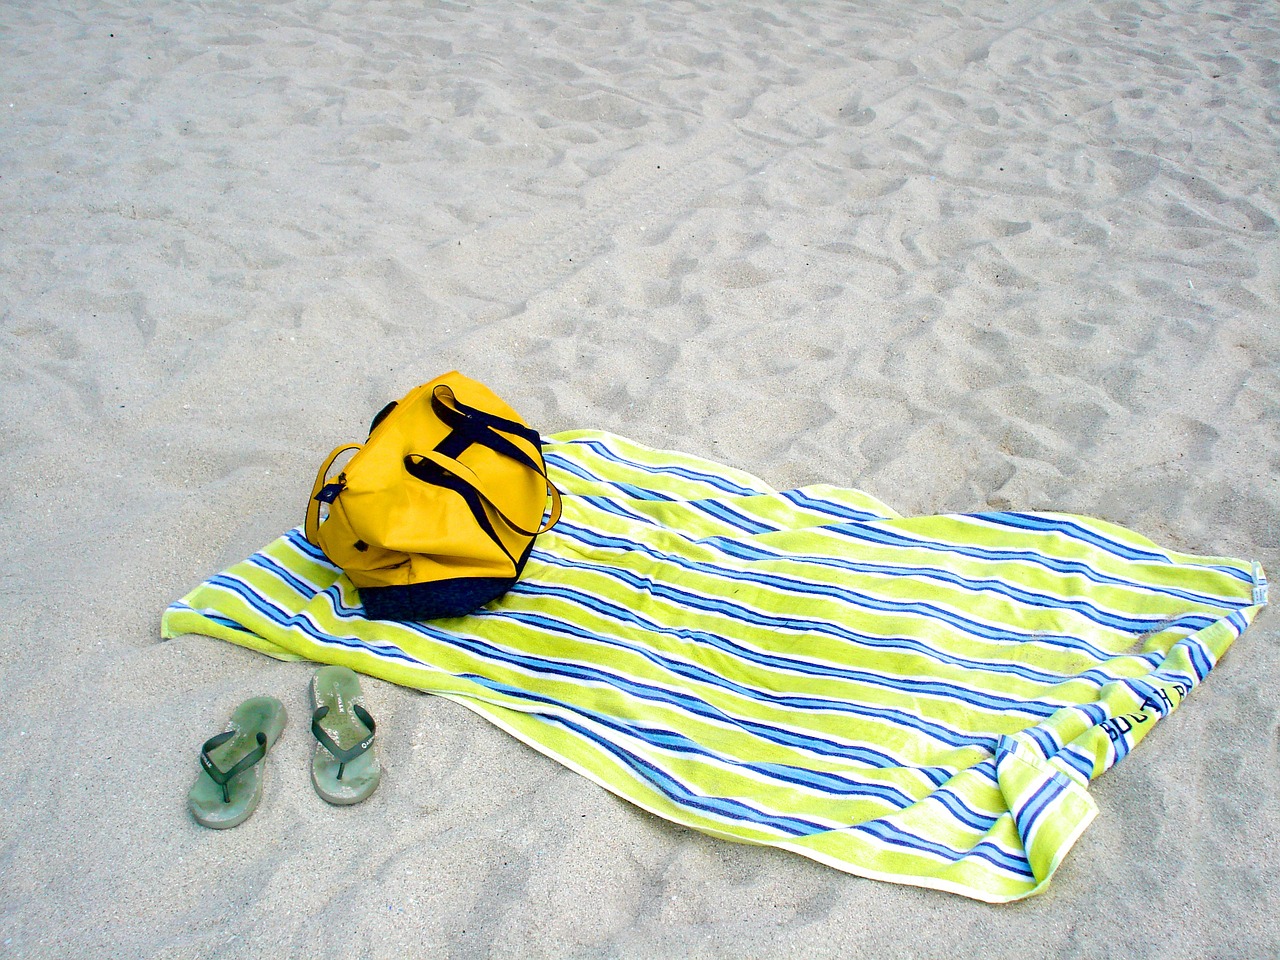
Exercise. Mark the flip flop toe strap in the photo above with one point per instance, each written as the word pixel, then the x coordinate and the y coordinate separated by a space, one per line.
pixel 223 777
pixel 343 755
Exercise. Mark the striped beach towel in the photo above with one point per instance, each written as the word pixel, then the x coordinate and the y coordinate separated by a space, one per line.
pixel 922 700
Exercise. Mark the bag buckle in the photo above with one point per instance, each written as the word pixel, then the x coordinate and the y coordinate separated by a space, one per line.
pixel 329 492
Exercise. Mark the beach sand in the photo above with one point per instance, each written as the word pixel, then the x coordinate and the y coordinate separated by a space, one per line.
pixel 960 255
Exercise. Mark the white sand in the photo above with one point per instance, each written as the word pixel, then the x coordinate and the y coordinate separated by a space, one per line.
pixel 959 255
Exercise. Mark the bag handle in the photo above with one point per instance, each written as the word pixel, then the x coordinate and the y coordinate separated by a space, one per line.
pixel 447 469
pixel 312 527
pixel 437 469
pixel 480 426
pixel 487 429
pixel 451 410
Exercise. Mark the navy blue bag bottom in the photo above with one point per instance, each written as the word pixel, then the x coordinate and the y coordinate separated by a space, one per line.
pixel 435 600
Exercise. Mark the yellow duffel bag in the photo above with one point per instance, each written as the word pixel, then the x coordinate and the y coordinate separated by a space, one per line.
pixel 437 512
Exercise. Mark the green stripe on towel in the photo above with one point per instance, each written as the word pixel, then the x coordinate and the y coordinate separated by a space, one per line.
pixel 921 700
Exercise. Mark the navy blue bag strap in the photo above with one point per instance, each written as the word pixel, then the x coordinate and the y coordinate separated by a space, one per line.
pixel 472 425
pixel 427 470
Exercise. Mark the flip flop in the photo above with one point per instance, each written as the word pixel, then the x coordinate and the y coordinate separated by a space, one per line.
pixel 230 782
pixel 342 775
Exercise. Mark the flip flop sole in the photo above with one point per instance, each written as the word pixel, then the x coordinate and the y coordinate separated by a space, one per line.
pixel 209 809
pixel 342 784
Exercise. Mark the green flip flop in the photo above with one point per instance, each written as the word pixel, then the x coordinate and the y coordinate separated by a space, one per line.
pixel 230 782
pixel 342 774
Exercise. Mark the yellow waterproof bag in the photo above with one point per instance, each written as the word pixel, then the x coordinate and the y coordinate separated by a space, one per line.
pixel 437 512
